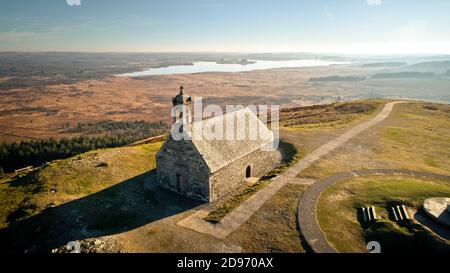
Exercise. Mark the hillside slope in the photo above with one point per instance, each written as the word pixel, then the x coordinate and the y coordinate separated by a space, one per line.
pixel 72 191
pixel 109 194
pixel 110 191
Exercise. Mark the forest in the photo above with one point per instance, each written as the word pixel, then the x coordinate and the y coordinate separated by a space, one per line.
pixel 37 152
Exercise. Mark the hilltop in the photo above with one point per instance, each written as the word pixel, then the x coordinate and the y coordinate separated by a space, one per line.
pixel 107 199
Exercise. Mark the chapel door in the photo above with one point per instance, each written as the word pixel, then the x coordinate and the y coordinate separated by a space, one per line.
pixel 182 183
pixel 248 172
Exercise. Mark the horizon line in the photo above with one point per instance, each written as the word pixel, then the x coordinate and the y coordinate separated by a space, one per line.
pixel 229 52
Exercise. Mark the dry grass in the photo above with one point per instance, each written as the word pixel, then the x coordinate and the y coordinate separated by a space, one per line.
pixel 342 113
pixel 326 116
pixel 309 137
pixel 217 214
pixel 290 156
pixel 149 98
pixel 274 227
pixel 412 137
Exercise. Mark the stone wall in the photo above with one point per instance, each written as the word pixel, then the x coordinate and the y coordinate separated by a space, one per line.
pixel 181 157
pixel 226 179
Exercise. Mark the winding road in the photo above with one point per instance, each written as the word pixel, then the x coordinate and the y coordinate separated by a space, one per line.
pixel 244 211
pixel 307 215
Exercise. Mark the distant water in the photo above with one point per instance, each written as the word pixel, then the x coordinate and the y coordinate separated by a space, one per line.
pixel 202 67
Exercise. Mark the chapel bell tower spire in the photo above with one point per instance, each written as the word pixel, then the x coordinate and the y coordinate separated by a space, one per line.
pixel 181 111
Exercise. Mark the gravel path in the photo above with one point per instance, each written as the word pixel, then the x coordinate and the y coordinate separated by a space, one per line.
pixel 244 211
pixel 307 216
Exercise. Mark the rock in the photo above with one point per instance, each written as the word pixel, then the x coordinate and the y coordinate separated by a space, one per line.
pixel 437 208
pixel 95 245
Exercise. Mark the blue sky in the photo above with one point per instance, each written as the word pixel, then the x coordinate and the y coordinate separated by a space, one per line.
pixel 333 26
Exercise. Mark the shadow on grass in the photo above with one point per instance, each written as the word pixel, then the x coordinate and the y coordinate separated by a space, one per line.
pixel 403 237
pixel 123 207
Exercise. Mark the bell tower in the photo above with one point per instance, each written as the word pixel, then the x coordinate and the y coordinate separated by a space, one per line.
pixel 181 111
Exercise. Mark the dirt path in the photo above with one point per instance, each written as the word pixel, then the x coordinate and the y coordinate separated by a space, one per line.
pixel 307 216
pixel 243 212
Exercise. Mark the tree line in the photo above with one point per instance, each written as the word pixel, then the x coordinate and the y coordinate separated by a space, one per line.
pixel 37 152
pixel 115 127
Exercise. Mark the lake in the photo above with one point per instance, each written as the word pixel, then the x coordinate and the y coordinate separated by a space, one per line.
pixel 202 67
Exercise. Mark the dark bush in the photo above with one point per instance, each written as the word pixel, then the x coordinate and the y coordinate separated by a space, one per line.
pixel 355 108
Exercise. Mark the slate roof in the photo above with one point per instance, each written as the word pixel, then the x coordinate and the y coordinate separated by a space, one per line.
pixel 250 134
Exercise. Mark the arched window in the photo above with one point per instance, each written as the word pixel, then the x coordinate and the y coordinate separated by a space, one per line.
pixel 248 172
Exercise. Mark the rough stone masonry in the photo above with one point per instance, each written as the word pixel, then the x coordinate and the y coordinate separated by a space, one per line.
pixel 205 168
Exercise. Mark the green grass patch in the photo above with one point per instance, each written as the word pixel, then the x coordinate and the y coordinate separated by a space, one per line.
pixel 73 178
pixel 337 210
pixel 403 238
pixel 412 191
pixel 400 135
